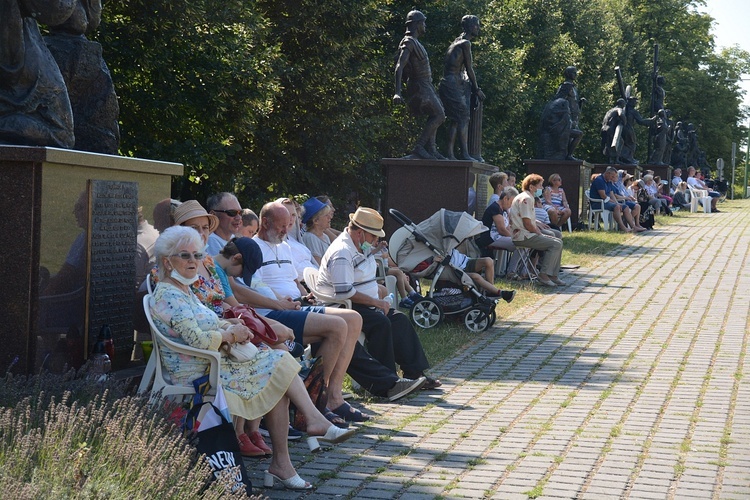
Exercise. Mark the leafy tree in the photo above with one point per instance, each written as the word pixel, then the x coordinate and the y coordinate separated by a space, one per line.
pixel 194 79
pixel 272 98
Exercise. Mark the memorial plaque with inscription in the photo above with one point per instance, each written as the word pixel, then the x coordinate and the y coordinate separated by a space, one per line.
pixel 112 249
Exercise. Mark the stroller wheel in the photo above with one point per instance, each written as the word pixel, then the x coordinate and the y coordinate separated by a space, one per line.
pixel 476 320
pixel 426 313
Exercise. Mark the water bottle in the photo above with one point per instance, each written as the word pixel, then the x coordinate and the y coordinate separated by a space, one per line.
pixel 391 299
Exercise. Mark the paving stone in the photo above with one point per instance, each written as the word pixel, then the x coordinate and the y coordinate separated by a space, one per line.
pixel 601 382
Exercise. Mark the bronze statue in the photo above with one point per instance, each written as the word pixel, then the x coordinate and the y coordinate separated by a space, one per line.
pixel 612 128
pixel 680 147
pixel 34 105
pixel 661 133
pixel 413 69
pixel 628 137
pixel 90 88
pixel 568 91
pixel 555 130
pixel 559 134
pixel 458 85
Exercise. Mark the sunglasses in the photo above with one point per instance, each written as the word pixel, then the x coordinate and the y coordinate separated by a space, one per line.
pixel 188 255
pixel 231 213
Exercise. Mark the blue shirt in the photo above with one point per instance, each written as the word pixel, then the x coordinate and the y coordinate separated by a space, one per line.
pixel 600 184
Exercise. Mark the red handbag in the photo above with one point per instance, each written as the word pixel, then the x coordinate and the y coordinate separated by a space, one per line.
pixel 262 331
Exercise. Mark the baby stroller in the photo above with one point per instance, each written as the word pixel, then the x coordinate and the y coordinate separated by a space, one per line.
pixel 414 247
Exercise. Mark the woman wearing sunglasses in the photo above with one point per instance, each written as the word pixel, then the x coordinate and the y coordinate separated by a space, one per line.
pixel 262 386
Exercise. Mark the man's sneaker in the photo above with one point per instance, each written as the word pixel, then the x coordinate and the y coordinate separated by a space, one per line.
pixel 293 435
pixel 508 295
pixel 404 386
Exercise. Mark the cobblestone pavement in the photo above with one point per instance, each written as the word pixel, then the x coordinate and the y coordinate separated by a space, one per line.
pixel 631 382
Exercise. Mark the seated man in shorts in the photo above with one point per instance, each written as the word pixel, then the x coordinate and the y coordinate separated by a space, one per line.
pixel 603 188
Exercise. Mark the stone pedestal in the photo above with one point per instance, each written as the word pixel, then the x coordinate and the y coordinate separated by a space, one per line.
pixel 59 212
pixel 419 188
pixel 575 178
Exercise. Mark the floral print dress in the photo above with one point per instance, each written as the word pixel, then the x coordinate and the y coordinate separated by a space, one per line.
pixel 252 388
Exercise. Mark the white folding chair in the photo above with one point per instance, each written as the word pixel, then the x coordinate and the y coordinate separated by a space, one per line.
pixel 699 196
pixel 311 280
pixel 597 212
pixel 389 282
pixel 161 381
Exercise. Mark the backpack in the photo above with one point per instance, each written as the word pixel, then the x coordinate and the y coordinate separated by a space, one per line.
pixel 316 387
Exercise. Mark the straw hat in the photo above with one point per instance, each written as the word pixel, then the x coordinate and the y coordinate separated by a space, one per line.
pixel 369 220
pixel 190 210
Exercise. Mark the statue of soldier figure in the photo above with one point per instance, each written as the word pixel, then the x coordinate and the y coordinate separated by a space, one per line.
pixel 568 91
pixel 559 134
pixel 611 133
pixel 413 69
pixel 662 129
pixel 458 85
pixel 628 136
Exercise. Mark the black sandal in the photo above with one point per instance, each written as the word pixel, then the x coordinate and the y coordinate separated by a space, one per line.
pixel 336 419
pixel 350 414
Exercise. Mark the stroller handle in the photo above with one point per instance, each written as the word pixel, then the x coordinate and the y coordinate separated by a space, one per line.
pixel 401 218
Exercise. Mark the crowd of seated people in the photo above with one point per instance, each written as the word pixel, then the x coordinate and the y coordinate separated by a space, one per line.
pixel 226 257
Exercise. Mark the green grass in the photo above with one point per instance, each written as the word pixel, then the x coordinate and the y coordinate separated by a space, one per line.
pixel 582 248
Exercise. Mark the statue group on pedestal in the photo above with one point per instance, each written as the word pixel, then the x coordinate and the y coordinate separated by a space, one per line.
pixel 669 143
pixel 460 95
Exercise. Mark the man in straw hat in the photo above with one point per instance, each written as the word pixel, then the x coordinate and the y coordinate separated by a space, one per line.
pixel 347 271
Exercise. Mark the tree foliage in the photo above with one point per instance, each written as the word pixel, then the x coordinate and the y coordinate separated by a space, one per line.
pixel 269 98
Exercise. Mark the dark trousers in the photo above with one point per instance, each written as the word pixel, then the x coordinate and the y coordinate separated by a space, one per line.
pixel 370 373
pixel 392 339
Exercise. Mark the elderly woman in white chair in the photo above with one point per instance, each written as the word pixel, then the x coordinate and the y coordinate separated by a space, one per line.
pixel 261 386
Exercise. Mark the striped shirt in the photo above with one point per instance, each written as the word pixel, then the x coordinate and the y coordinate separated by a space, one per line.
pixel 345 271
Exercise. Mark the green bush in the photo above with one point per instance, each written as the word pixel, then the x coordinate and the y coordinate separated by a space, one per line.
pixel 72 437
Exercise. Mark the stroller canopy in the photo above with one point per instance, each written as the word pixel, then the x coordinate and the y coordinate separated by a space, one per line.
pixel 445 230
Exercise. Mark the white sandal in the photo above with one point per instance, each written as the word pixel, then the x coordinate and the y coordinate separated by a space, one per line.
pixel 337 435
pixel 293 483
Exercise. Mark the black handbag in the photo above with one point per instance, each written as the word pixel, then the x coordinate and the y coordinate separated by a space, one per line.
pixel 222 450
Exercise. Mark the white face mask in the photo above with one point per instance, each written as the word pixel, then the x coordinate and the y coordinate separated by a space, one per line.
pixel 175 275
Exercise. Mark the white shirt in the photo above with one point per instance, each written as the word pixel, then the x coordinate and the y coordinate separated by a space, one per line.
pixel 344 270
pixel 277 270
pixel 302 257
